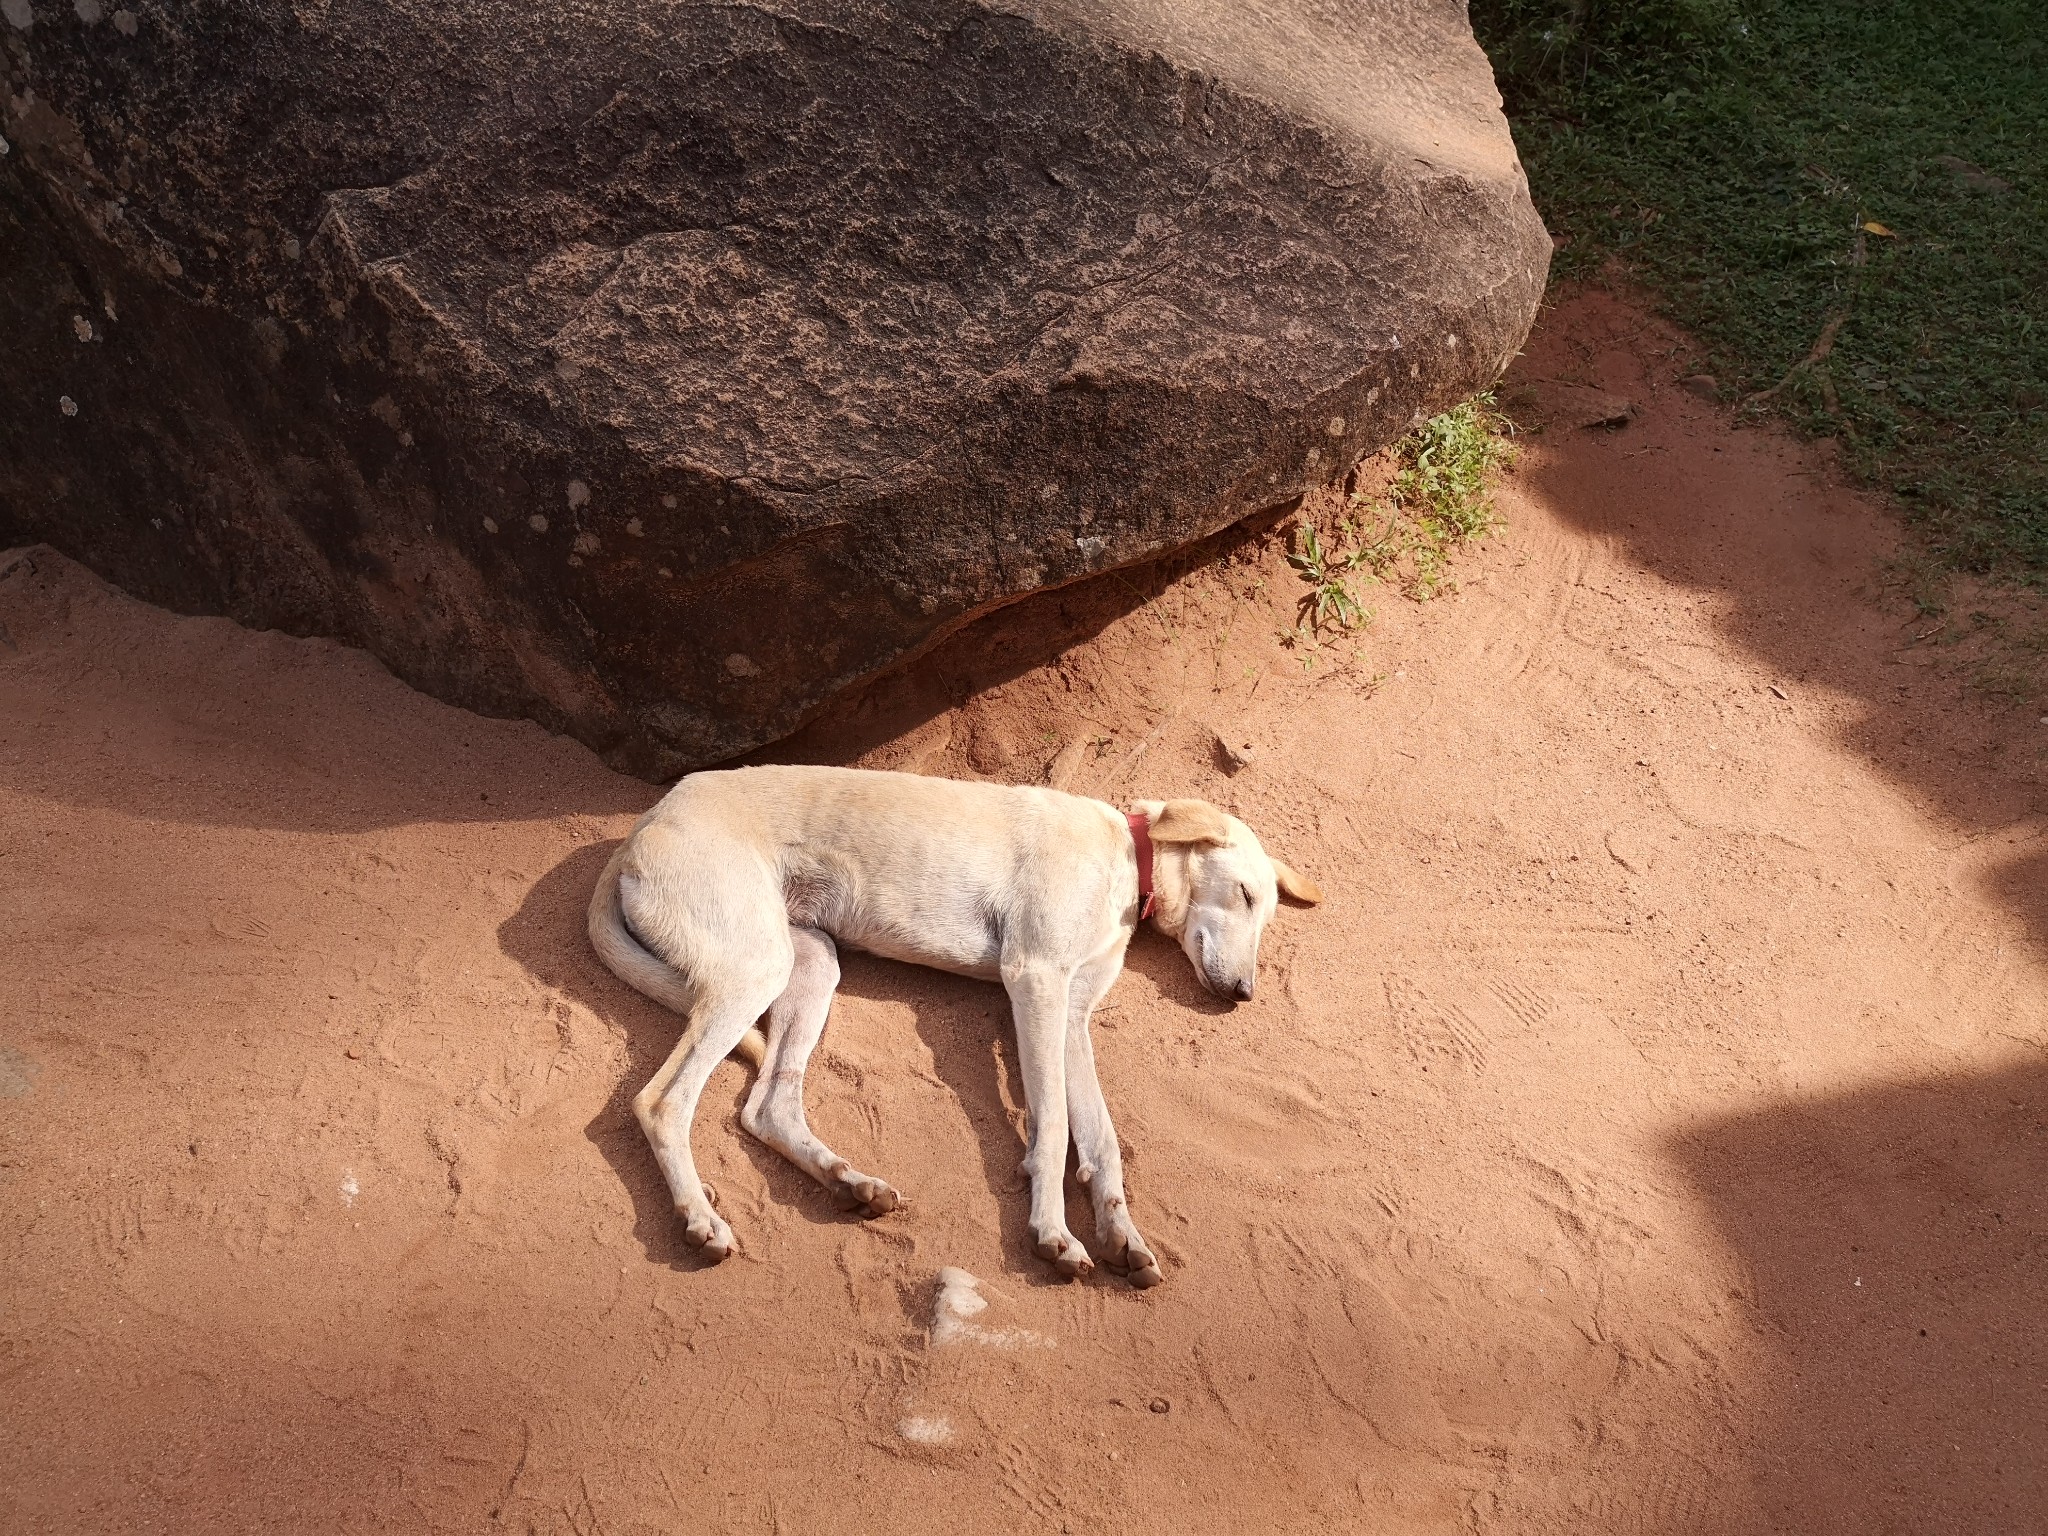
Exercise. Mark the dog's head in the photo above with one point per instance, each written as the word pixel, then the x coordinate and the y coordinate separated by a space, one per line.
pixel 1217 889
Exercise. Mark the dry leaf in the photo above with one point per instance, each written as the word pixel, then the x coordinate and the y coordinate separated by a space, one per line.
pixel 1878 229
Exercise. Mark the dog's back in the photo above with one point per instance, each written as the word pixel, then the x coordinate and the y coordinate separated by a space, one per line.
pixel 913 868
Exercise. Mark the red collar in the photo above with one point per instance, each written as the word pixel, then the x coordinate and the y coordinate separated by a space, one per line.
pixel 1141 835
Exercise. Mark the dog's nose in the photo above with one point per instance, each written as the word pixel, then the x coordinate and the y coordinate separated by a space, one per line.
pixel 1243 990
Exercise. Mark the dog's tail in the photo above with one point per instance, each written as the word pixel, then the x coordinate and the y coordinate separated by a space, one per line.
pixel 638 967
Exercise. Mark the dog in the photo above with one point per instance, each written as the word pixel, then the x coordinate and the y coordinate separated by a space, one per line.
pixel 729 898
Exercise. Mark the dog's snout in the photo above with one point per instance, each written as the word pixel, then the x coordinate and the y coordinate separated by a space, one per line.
pixel 1243 990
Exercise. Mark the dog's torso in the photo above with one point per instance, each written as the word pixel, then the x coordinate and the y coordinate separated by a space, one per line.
pixel 934 872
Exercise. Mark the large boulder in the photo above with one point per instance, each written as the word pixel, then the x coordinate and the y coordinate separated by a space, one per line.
pixel 660 368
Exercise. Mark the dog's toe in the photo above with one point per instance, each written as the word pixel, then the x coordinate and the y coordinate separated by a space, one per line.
pixel 1067 1256
pixel 870 1197
pixel 710 1237
pixel 1134 1261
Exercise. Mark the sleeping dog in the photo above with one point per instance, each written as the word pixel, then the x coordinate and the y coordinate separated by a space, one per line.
pixel 726 900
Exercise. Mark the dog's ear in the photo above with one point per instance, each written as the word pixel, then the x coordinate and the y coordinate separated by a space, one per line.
pixel 1296 886
pixel 1190 821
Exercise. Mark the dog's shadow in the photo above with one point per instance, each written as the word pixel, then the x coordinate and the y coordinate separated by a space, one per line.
pixel 1159 960
pixel 964 1024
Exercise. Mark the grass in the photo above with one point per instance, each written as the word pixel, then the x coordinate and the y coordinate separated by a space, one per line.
pixel 1436 501
pixel 1845 201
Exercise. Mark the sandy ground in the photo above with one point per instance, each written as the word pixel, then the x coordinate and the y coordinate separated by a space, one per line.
pixel 1647 1136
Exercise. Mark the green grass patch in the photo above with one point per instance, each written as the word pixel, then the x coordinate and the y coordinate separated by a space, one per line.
pixel 1845 201
pixel 1436 501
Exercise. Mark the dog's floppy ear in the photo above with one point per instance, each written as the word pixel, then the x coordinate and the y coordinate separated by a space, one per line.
pixel 1190 821
pixel 1296 886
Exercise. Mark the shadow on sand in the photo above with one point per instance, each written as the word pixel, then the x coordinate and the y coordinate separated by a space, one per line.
pixel 1897 1240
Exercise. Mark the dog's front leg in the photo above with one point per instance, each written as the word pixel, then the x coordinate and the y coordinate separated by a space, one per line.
pixel 1038 998
pixel 1100 1159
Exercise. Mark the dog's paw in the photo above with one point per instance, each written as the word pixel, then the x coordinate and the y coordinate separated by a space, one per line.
pixel 871 1197
pixel 709 1235
pixel 1143 1271
pixel 1134 1261
pixel 1064 1252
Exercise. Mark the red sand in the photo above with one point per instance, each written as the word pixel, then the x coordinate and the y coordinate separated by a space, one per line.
pixel 1647 1136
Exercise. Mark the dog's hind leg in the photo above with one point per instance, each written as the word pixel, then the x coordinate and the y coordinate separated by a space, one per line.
pixel 1098 1159
pixel 774 1110
pixel 668 1104
pixel 705 921
pixel 725 1011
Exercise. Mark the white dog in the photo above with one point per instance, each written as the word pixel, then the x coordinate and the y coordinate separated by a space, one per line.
pixel 725 900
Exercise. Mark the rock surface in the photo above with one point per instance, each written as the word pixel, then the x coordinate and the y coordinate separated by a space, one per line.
pixel 658 370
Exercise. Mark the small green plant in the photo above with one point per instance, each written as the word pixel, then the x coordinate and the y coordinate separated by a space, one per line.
pixel 1922 580
pixel 1328 599
pixel 1437 502
pixel 1302 641
pixel 1442 487
pixel 2007 681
